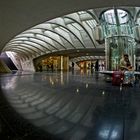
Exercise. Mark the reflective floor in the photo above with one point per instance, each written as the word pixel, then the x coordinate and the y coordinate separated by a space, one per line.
pixel 67 106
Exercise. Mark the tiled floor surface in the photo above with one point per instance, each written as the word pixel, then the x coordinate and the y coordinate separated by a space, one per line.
pixel 67 106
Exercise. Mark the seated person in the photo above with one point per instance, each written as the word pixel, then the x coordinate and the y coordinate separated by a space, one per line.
pixel 124 62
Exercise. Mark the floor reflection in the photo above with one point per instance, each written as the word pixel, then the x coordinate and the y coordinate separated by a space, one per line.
pixel 74 105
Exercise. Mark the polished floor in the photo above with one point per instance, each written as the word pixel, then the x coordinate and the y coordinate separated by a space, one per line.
pixel 67 106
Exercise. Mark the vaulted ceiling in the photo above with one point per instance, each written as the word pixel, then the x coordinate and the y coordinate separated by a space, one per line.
pixel 18 16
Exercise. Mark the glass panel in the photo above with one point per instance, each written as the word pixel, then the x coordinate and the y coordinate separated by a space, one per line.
pixel 63 29
pixel 110 16
pixel 78 27
pixel 92 23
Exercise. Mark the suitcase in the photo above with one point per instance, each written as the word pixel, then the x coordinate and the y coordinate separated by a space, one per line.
pixel 129 78
pixel 117 78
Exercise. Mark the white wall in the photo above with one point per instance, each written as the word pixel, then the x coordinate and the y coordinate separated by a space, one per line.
pixel 27 65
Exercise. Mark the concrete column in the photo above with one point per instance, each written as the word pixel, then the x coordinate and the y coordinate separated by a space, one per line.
pixel 61 62
pixel 66 63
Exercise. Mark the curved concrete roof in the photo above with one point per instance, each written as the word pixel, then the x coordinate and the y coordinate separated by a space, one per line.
pixel 17 16
pixel 72 31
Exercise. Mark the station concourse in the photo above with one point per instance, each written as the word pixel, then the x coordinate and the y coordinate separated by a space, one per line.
pixel 52 59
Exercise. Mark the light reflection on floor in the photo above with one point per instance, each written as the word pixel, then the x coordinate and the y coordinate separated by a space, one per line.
pixel 74 105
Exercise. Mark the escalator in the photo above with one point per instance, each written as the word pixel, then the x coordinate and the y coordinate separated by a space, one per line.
pixel 8 62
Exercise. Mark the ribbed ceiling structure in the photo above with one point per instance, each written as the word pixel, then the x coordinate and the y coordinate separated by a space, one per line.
pixel 86 58
pixel 73 31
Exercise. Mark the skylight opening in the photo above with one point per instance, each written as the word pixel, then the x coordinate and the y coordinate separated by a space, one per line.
pixel 110 16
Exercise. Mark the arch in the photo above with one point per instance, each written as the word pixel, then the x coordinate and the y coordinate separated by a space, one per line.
pixel 82 28
pixel 14 45
pixel 58 35
pixel 69 31
pixel 47 37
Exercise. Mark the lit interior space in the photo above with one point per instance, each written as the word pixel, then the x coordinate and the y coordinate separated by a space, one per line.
pixel 70 70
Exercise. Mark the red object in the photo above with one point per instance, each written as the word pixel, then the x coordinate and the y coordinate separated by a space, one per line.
pixel 117 78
